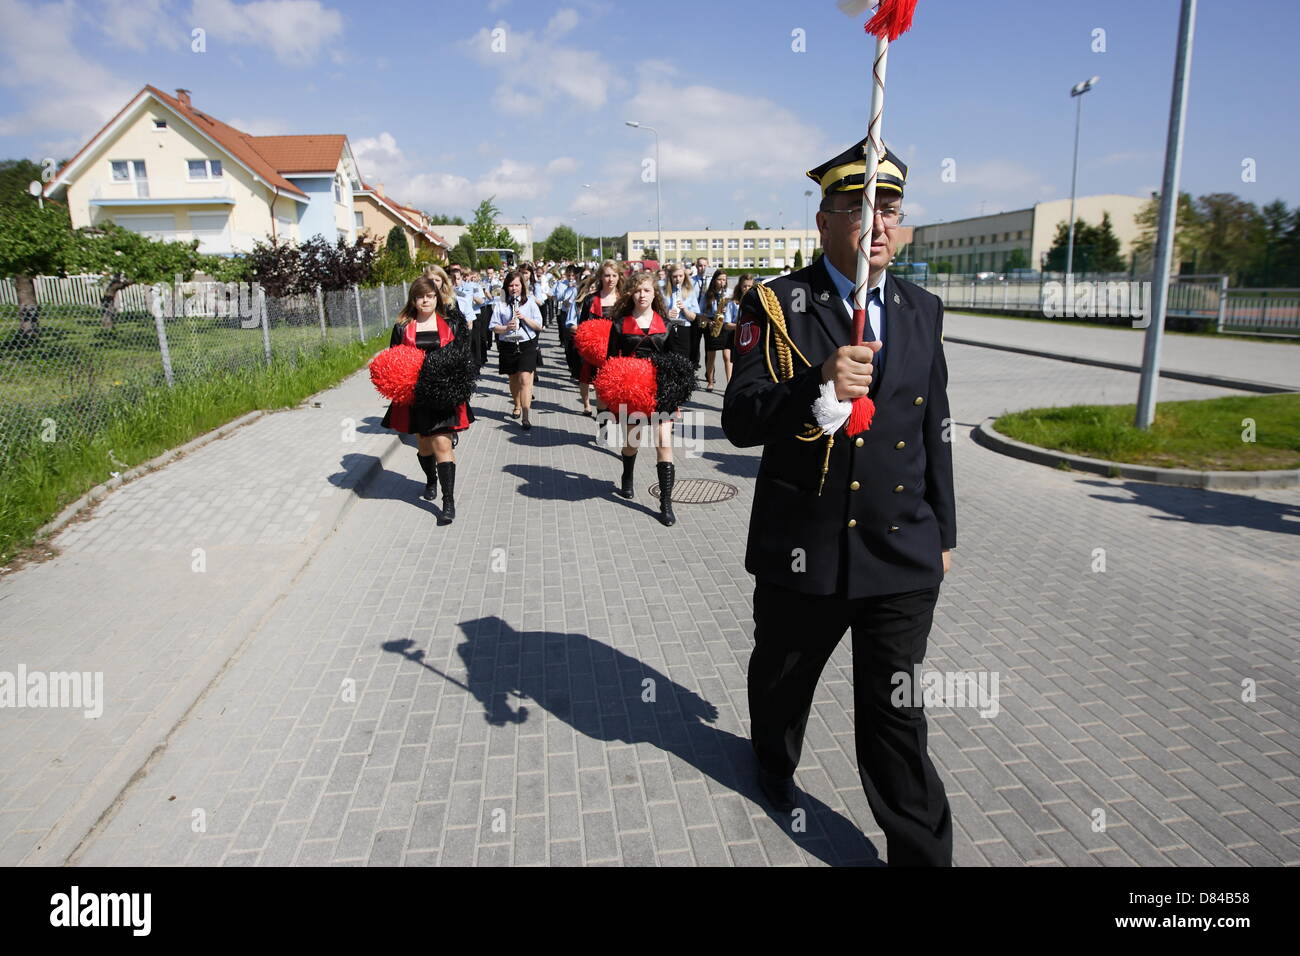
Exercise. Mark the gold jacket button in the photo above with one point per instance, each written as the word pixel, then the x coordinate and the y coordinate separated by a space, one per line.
pixel 854 487
pixel 853 522
pixel 857 442
pixel 897 488
pixel 901 445
pixel 918 400
pixel 893 528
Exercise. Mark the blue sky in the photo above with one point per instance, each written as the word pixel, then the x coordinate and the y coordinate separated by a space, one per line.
pixel 443 120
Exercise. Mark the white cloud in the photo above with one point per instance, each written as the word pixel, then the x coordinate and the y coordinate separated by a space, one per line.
pixel 139 24
pixel 561 164
pixel 381 160
pixel 536 70
pixel 56 89
pixel 294 30
pixel 261 126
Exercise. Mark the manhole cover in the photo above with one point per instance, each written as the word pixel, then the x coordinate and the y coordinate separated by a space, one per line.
pixel 699 491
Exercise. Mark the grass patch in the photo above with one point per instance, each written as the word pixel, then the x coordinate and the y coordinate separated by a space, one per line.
pixel 1202 435
pixel 39 478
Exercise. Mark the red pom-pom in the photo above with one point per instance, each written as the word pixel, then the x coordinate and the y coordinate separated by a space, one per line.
pixel 864 409
pixel 627 385
pixel 893 18
pixel 395 370
pixel 592 340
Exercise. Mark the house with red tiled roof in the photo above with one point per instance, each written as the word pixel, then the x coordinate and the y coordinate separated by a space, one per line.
pixel 377 214
pixel 165 168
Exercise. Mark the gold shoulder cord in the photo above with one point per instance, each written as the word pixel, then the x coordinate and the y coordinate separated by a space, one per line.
pixel 785 362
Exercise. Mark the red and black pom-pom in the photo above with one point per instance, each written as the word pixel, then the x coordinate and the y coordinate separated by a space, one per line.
pixel 591 339
pixel 644 386
pixel 446 380
pixel 394 372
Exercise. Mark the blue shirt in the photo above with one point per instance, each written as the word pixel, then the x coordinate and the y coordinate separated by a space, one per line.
pixel 465 293
pixel 875 304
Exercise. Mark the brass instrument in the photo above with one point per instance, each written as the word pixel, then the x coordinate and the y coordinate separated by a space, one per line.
pixel 719 316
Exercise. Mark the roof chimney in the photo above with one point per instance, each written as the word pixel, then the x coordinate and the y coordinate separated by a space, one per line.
pixel 184 97
pixel 379 188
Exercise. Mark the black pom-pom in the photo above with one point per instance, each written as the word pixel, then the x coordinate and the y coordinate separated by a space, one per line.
pixel 447 376
pixel 674 380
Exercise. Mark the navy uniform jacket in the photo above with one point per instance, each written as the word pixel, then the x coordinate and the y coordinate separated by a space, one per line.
pixel 887 509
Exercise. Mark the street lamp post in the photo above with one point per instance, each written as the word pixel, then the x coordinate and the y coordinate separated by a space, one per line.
pixel 658 195
pixel 1076 93
pixel 599 226
pixel 806 236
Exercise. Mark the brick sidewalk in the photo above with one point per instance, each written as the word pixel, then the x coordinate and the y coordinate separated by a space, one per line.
pixel 412 700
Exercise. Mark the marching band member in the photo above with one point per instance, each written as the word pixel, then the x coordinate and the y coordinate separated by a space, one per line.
pixel 516 322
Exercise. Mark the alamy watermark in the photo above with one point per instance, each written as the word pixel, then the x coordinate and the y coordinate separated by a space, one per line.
pixel 64 689
pixel 244 300
pixel 687 432
pixel 1087 299
pixel 946 689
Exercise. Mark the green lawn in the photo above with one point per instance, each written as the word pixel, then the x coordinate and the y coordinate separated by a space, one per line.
pixel 1202 435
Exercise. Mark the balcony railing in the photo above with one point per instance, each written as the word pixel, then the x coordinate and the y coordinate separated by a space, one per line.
pixel 180 191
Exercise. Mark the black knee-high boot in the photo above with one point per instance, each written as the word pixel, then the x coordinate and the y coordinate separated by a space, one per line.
pixel 667 476
pixel 430 477
pixel 447 473
pixel 626 489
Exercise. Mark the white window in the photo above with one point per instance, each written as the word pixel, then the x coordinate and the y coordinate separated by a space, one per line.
pixel 733 243
pixel 764 244
pixel 778 243
pixel 762 263
pixel 670 244
pixel 131 171
pixel 200 170
pixel 733 263
pixel 210 228
pixel 749 263
pixel 338 189
pixel 749 243
pixel 357 220
pixel 717 243
pixel 638 243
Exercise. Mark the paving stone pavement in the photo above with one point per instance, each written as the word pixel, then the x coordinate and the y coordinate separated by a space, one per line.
pixel 557 679
pixel 1277 363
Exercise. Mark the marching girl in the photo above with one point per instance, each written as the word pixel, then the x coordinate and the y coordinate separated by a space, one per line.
pixel 640 331
pixel 431 320
pixel 680 296
pixel 743 285
pixel 516 322
pixel 713 314
pixel 597 300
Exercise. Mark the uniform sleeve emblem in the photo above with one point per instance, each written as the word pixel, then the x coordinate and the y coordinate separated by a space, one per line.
pixel 746 335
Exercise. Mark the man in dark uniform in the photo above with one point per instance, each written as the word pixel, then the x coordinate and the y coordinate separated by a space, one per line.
pixel 847 533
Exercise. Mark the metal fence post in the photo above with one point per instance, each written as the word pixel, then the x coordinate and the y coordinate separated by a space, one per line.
pixel 266 327
pixel 158 311
pixel 356 293
pixel 320 311
pixel 383 299
pixel 1223 302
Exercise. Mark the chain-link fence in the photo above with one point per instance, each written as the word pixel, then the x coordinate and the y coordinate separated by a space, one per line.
pixel 75 367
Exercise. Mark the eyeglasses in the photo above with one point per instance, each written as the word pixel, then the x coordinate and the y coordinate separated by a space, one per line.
pixel 890 216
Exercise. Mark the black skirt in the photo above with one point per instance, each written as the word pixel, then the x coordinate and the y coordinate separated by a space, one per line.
pixel 722 341
pixel 517 356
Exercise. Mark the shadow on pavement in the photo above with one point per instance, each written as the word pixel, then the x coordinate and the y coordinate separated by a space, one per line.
pixel 602 693
pixel 1200 506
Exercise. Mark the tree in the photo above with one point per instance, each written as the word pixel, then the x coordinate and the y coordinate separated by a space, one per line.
pixel 127 258
pixel 33 242
pixel 339 266
pixel 483 230
pixel 464 253
pixel 1187 232
pixel 1096 248
pixel 275 267
pixel 650 253
pixel 943 265
pixel 798 258
pixel 562 243
pixel 1232 235
pixel 397 247
pixel 1104 247
pixel 750 224
pixel 439 219
pixel 1016 259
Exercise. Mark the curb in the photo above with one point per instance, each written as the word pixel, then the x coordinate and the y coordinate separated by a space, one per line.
pixel 985 434
pixel 1242 384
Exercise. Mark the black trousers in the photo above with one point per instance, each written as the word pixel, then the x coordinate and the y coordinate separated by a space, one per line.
pixel 697 336
pixel 794 635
